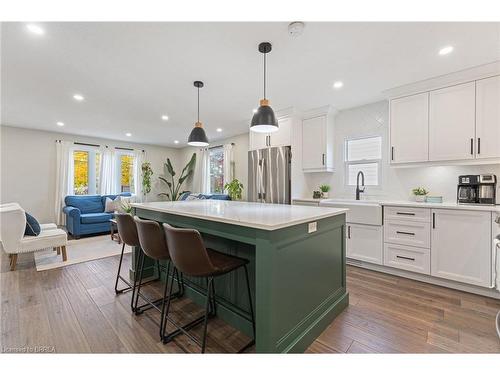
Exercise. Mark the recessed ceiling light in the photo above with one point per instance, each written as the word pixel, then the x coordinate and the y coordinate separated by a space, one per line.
pixel 176 141
pixel 254 110
pixel 338 84
pixel 164 117
pixel 128 134
pixel 59 123
pixel 446 50
pixel 78 97
pixel 219 130
pixel 35 29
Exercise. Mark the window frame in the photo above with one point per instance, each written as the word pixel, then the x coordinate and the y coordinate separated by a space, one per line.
pixel 92 188
pixel 221 148
pixel 118 166
pixel 377 161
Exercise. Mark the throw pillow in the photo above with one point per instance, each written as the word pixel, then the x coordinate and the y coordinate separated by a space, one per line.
pixel 32 226
pixel 112 205
pixel 194 197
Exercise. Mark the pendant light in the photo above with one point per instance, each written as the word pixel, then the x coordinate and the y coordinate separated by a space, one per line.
pixel 198 137
pixel 264 120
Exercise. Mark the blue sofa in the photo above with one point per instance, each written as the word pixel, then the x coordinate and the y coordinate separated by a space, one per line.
pixel 85 214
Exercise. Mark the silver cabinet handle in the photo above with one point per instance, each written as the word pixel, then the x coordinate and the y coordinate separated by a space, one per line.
pixel 433 220
pixel 392 153
pixel 323 159
pixel 472 146
pixel 406 213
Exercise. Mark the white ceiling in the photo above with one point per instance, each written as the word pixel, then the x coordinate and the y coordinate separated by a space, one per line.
pixel 132 73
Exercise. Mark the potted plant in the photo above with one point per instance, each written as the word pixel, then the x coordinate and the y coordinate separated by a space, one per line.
pixel 324 190
pixel 147 172
pixel 234 189
pixel 175 186
pixel 420 194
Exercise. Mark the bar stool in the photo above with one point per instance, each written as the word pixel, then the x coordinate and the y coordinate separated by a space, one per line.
pixel 153 244
pixel 128 233
pixel 190 256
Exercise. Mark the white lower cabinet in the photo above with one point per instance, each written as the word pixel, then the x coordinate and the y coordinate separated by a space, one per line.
pixel 364 242
pixel 410 233
pixel 461 246
pixel 408 258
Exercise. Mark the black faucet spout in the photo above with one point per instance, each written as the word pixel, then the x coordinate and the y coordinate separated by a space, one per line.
pixel 358 189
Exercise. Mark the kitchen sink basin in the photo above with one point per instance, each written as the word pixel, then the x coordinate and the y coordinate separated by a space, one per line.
pixel 360 212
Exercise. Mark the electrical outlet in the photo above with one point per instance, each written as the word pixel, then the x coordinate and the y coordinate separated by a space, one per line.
pixel 312 227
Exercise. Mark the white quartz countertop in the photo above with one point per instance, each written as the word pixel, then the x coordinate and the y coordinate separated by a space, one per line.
pixel 402 203
pixel 265 216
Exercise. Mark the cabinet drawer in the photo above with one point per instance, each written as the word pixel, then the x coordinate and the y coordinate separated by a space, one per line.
pixel 410 233
pixel 407 213
pixel 407 258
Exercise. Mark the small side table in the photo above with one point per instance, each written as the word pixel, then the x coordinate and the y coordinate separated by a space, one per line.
pixel 115 236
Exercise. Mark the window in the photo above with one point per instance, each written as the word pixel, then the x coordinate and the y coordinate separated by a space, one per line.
pixel 217 170
pixel 86 170
pixel 363 154
pixel 125 173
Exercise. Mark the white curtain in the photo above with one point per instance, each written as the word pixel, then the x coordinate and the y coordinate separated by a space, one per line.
pixel 228 164
pixel 139 158
pixel 64 177
pixel 201 180
pixel 107 181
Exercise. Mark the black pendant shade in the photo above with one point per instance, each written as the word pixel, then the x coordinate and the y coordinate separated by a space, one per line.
pixel 264 120
pixel 198 137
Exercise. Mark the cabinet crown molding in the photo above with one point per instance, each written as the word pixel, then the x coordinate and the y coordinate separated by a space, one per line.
pixel 319 111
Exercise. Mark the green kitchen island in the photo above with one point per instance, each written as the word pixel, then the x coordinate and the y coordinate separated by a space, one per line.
pixel 297 265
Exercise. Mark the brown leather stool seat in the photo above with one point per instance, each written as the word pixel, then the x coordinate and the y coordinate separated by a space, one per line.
pixel 190 256
pixel 154 245
pixel 127 231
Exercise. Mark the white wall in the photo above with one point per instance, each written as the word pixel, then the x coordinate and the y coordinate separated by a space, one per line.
pixel 372 119
pixel 28 161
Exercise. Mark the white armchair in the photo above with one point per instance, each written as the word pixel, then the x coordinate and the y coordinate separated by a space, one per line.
pixel 13 241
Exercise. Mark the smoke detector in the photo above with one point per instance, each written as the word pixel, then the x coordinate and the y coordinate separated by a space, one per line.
pixel 295 29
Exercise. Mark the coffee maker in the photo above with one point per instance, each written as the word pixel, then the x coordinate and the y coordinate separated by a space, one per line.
pixel 477 189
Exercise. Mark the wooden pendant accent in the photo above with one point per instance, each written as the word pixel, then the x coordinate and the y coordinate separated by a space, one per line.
pixel 264 102
pixel 198 125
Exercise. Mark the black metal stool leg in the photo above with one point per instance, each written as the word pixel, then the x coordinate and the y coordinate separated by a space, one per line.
pixel 137 263
pixel 167 309
pixel 214 306
pixel 139 286
pixel 251 311
pixel 207 308
pixel 162 314
pixel 118 291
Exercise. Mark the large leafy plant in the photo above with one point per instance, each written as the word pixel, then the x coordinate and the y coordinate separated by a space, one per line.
pixel 174 187
pixel 234 189
pixel 147 172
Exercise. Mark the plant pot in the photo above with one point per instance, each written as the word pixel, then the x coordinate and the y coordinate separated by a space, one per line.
pixel 324 194
pixel 420 198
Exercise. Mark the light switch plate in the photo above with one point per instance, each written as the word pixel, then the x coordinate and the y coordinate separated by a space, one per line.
pixel 312 227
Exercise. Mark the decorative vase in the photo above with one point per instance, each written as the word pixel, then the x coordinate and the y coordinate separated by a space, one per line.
pixel 420 198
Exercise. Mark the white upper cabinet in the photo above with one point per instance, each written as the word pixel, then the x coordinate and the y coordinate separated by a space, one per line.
pixel 282 137
pixel 409 120
pixel 461 246
pixel 452 123
pixel 488 118
pixel 258 140
pixel 317 143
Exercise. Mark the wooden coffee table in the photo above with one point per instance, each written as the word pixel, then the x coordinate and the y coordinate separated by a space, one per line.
pixel 115 236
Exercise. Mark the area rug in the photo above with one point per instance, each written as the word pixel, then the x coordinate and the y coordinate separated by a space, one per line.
pixel 79 251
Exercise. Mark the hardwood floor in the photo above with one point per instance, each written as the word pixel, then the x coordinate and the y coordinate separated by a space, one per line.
pixel 74 310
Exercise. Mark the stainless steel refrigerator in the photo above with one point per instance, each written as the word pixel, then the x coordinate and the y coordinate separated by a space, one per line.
pixel 269 174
